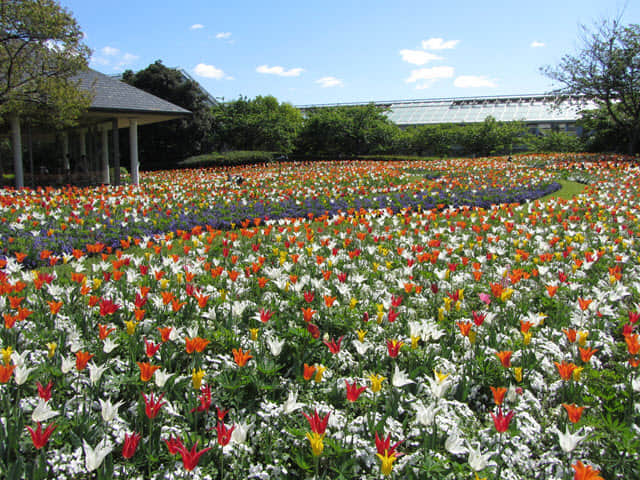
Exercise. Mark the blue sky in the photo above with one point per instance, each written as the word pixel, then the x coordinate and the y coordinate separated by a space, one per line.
pixel 311 52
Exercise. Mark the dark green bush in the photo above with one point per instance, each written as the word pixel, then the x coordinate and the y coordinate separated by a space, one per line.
pixel 229 159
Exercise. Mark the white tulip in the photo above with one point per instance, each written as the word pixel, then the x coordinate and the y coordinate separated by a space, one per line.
pixel 569 441
pixel 95 372
pixel 425 415
pixel 21 373
pixel 109 410
pixel 454 444
pixel 400 378
pixel 161 377
pixel 291 404
pixel 109 346
pixel 478 461
pixel 275 346
pixel 43 412
pixel 94 457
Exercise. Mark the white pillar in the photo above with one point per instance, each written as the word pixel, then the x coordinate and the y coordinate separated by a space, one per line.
pixel 105 155
pixel 65 151
pixel 133 150
pixel 16 144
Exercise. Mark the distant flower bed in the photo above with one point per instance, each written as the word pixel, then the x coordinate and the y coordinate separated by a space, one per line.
pixel 419 333
pixel 58 222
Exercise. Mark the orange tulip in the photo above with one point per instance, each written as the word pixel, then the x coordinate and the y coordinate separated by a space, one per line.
pixel 574 412
pixel 525 326
pixel 195 344
pixel 9 320
pixel 498 394
pixel 165 333
pixel 240 357
pixel 565 369
pixel 328 300
pixel 104 331
pixel 585 472
pixel 465 328
pixel 307 314
pixel 5 372
pixel 551 290
pixel 571 334
pixel 15 302
pixel 587 353
pixel 147 370
pixel 584 304
pixel 82 358
pixel 505 358
pixel 309 370
pixel 633 345
pixel 54 307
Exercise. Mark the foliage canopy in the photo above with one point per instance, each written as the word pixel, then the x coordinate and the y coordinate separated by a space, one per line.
pixel 41 49
pixel 607 69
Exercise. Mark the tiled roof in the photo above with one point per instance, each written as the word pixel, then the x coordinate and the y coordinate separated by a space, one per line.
pixel 111 94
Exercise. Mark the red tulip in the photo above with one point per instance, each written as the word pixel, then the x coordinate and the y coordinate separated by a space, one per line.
pixel 130 444
pixel 353 392
pixel 39 437
pixel 191 457
pixel 152 407
pixel 501 421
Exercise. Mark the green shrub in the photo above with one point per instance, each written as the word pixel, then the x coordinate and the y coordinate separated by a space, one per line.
pixel 228 159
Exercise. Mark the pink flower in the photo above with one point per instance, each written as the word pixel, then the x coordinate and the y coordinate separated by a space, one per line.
pixel 484 297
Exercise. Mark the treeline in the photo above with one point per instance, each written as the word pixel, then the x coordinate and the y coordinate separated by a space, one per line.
pixel 264 124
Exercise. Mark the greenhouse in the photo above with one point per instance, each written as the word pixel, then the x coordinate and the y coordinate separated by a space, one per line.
pixel 539 112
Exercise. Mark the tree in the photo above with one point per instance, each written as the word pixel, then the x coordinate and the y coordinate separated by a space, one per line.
pixel 607 70
pixel 555 142
pixel 165 143
pixel 41 50
pixel 259 124
pixel 348 130
pixel 490 136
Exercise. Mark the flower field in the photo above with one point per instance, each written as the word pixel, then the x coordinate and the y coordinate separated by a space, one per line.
pixel 328 320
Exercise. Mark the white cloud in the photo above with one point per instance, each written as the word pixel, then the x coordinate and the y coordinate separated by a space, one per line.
pixel 129 58
pixel 280 71
pixel 113 58
pixel 223 35
pixel 208 71
pixel 439 44
pixel 430 75
pixel 326 82
pixel 536 44
pixel 473 81
pixel 196 26
pixel 418 57
pixel 110 51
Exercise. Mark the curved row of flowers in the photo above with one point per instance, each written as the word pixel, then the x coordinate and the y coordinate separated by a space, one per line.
pixel 469 342
pixel 61 221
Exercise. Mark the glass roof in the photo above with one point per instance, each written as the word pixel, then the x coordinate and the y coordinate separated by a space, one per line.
pixel 528 109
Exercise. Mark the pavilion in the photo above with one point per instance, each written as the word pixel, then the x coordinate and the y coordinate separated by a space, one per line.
pixel 90 146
